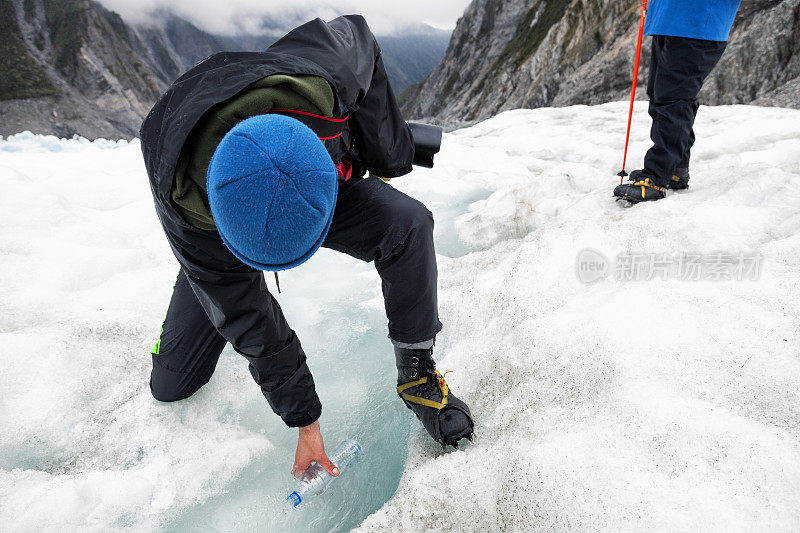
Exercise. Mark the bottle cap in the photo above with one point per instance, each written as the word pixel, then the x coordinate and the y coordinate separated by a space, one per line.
pixel 294 499
pixel 354 446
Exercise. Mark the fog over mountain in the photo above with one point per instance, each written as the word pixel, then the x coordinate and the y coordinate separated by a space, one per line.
pixel 237 17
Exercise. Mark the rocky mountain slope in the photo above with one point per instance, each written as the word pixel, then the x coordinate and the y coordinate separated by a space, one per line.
pixel 507 54
pixel 74 67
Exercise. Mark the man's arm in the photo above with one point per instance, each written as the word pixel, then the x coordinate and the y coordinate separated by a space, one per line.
pixel 236 300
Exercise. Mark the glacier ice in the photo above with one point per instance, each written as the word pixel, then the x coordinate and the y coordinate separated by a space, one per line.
pixel 662 404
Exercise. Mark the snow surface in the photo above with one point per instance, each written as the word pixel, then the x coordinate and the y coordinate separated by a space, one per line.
pixel 653 405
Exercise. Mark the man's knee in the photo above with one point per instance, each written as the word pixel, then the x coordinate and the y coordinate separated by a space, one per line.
pixel 413 217
pixel 171 386
pixel 408 232
pixel 166 394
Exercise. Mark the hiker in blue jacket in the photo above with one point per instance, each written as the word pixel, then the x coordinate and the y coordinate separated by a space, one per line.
pixel 689 37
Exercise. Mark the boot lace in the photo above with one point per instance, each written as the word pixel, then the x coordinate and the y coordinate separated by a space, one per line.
pixel 646 183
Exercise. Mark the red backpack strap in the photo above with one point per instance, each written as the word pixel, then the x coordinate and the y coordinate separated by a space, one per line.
pixel 325 128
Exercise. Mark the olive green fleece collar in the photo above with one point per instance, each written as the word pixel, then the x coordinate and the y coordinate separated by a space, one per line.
pixel 311 94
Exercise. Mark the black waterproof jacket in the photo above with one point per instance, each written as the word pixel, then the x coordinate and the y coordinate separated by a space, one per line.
pixel 235 297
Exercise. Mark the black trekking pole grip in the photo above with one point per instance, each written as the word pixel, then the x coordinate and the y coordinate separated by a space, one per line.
pixel 427 142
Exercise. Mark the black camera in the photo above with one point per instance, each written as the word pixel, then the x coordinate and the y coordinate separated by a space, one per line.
pixel 427 142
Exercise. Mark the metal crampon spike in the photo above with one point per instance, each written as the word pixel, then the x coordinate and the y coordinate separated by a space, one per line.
pixel 625 203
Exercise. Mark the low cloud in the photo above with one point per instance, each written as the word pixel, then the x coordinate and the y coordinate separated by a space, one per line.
pixel 232 17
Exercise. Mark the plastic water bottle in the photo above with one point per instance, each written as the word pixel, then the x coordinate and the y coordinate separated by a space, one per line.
pixel 316 479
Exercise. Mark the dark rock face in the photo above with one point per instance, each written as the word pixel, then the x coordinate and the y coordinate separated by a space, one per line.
pixel 22 77
pixel 507 54
pixel 762 62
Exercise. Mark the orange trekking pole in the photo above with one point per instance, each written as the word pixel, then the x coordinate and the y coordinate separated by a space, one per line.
pixel 622 173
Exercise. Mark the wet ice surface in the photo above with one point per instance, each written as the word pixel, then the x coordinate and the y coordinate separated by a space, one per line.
pixel 654 405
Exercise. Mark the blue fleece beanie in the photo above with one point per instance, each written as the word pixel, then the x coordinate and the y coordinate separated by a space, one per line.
pixel 272 189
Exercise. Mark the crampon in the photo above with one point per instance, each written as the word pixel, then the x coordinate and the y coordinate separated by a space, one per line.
pixel 424 390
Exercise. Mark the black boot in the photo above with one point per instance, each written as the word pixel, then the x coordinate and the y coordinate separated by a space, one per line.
pixel 679 181
pixel 639 189
pixel 446 418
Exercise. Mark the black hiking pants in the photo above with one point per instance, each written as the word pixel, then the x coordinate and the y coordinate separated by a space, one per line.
pixel 373 222
pixel 678 68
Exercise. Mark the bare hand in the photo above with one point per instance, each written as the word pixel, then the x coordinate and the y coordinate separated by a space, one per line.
pixel 310 448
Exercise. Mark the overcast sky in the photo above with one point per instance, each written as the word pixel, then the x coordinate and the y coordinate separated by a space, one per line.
pixel 236 16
